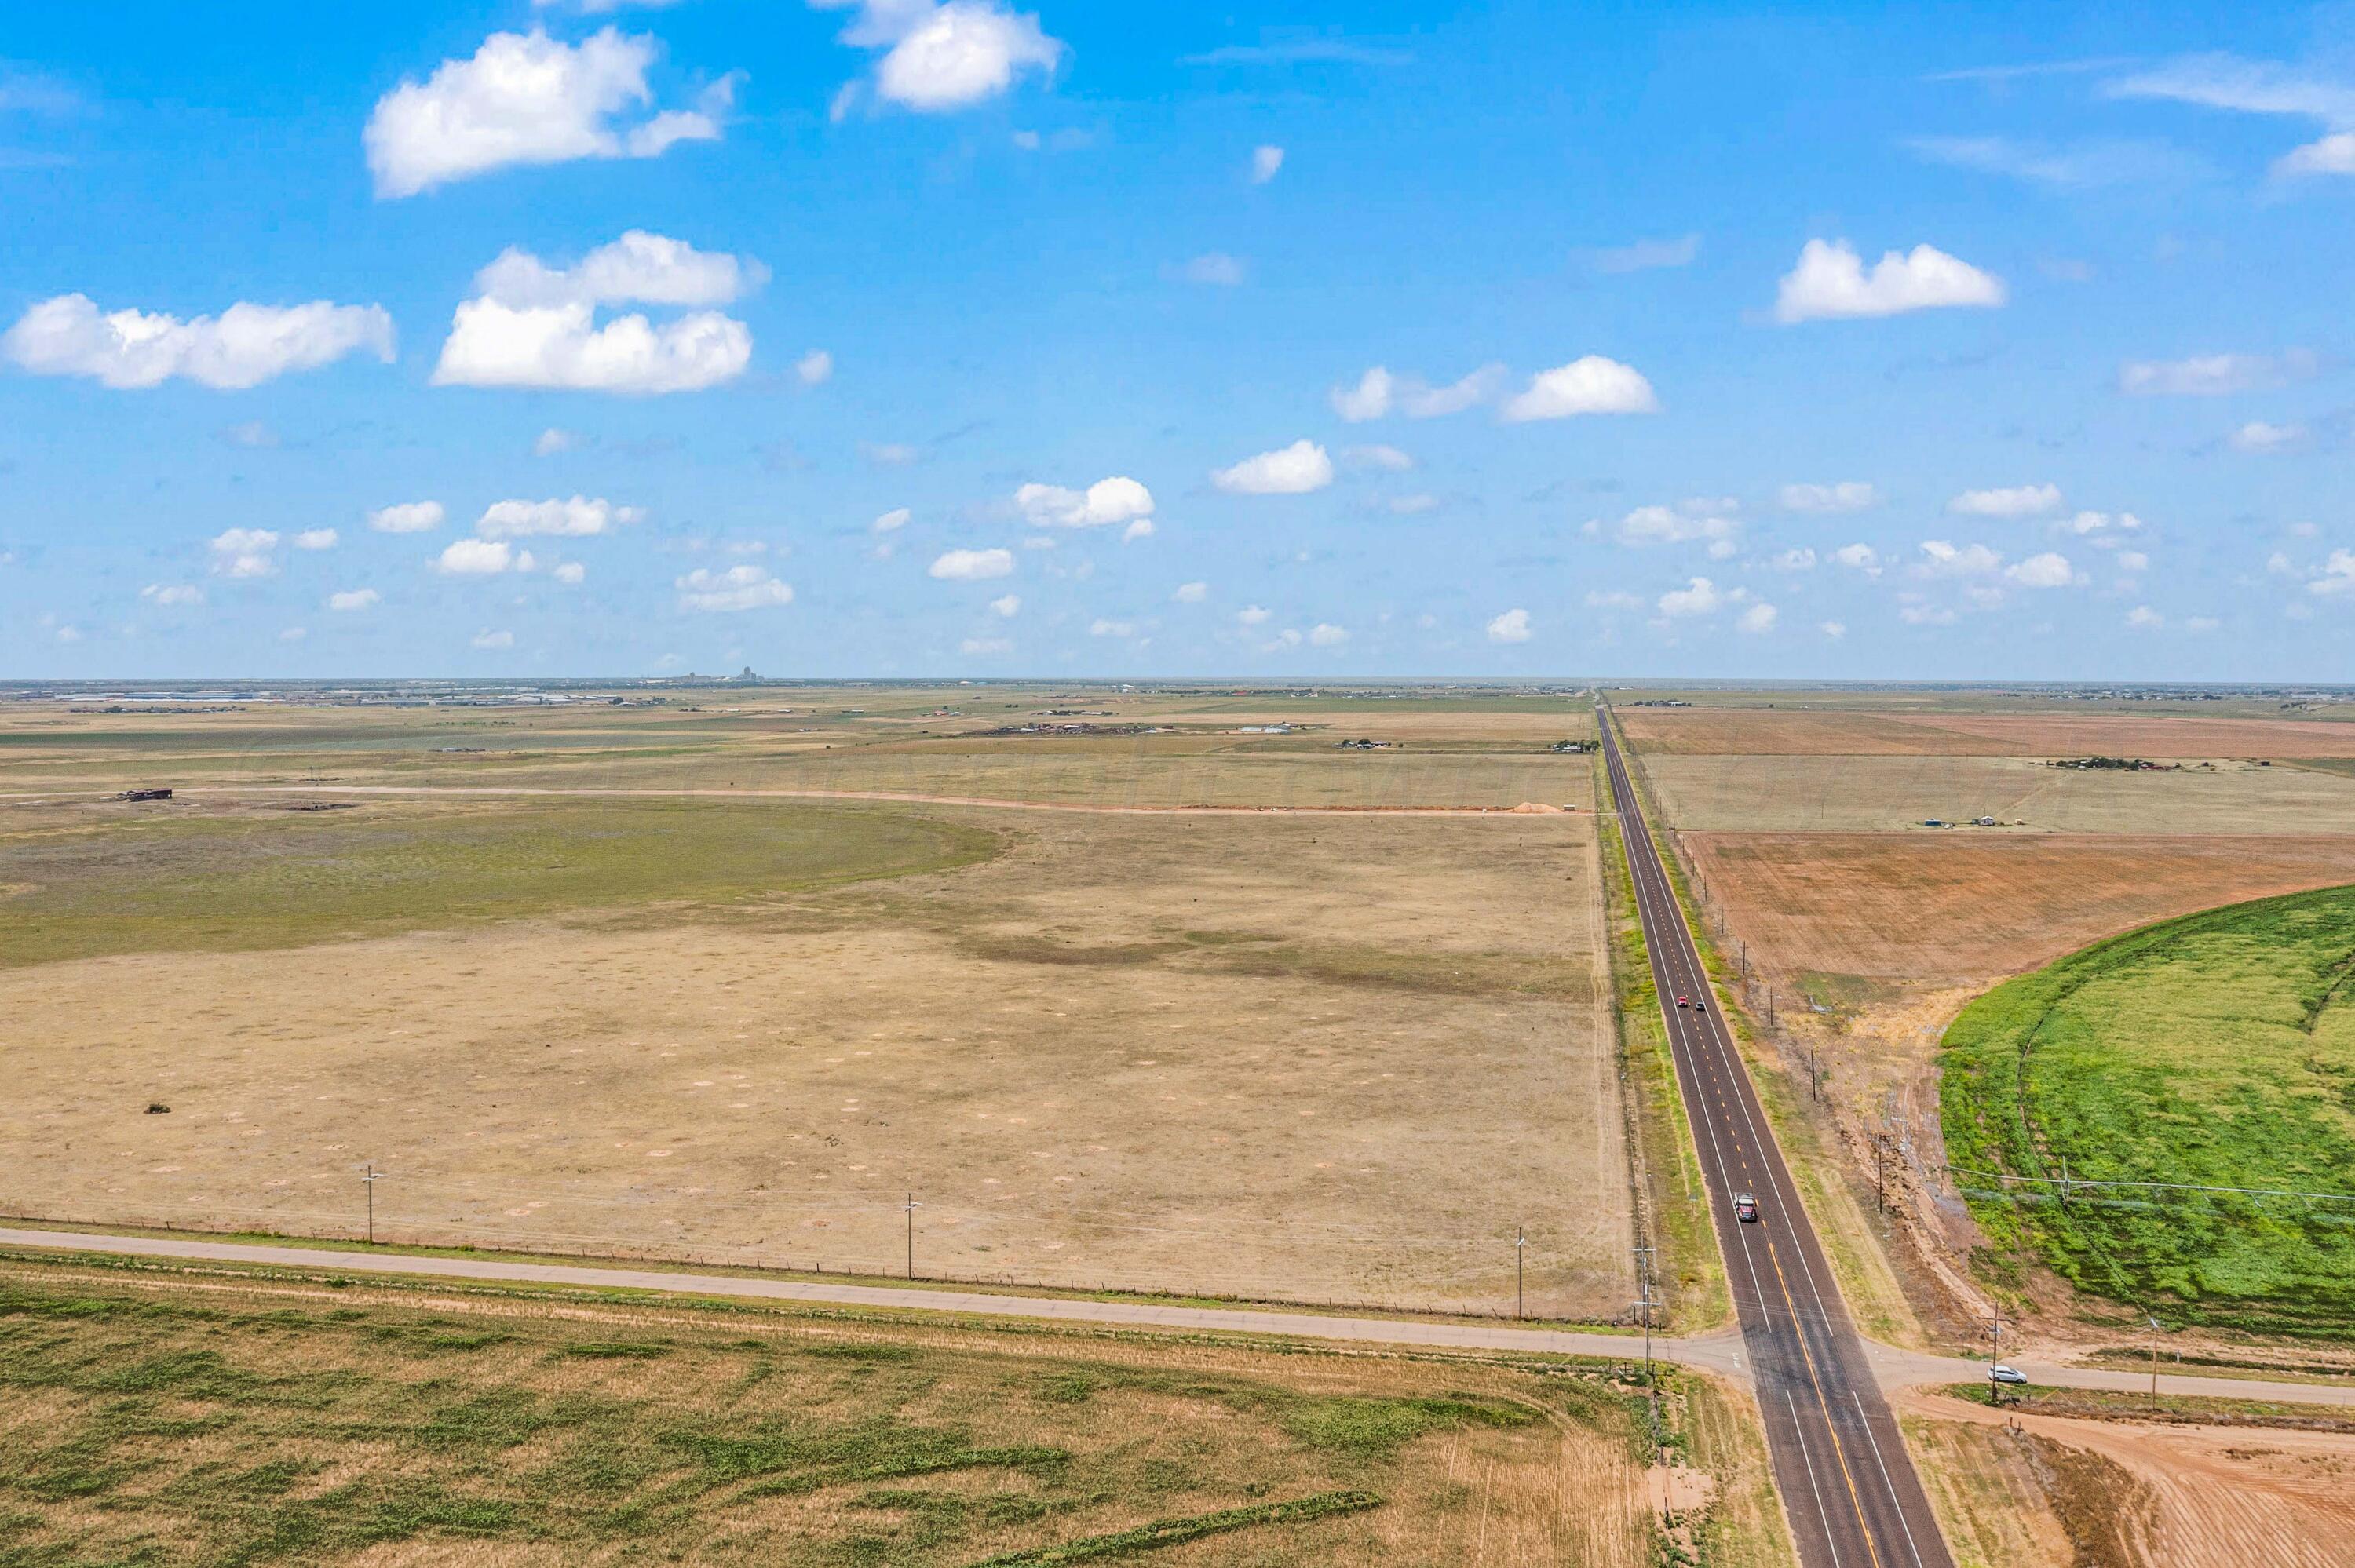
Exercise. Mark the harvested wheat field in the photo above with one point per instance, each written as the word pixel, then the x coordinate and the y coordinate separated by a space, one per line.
pixel 2023 1489
pixel 1798 732
pixel 1336 1058
pixel 224 1416
pixel 1963 910
pixel 1899 794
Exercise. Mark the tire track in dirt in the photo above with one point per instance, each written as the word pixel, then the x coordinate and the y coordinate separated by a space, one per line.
pixel 2219 1497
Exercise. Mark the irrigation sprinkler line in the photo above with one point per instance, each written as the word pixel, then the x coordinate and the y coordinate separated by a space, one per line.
pixel 2069 1184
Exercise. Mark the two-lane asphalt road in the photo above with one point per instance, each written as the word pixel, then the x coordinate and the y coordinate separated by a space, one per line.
pixel 1851 1493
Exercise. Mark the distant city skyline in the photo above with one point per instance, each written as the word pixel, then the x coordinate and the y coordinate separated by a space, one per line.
pixel 901 338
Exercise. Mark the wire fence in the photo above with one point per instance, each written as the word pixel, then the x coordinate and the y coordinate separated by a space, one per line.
pixel 1573 1272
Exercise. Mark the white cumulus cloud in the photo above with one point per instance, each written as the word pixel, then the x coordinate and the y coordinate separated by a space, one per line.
pixel 1702 519
pixel 2050 569
pixel 1591 384
pixel 1191 593
pixel 1007 606
pixel 815 369
pixel 1295 470
pixel 1326 635
pixel 1830 281
pixel 1369 399
pixel 2102 527
pixel 1758 620
pixel 2258 437
pixel 1378 393
pixel 1697 597
pixel 1944 559
pixel 2014 500
pixel 579 517
pixel 1106 502
pixel 1387 459
pixel 943 57
pixel 354 598
pixel 173 593
pixel 481 558
pixel 972 565
pixel 737 587
pixel 245 552
pixel 526 97
pixel 1266 159
pixel 316 539
pixel 534 325
pixel 1513 626
pixel 2332 155
pixel 1847 496
pixel 488 639
pixel 650 269
pixel 243 346
pixel 408 517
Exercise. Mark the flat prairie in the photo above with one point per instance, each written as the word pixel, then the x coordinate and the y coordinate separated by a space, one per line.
pixel 1122 749
pixel 1301 1057
pixel 1800 732
pixel 1897 794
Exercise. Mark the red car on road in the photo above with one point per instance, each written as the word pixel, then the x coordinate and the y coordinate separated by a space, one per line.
pixel 1746 1208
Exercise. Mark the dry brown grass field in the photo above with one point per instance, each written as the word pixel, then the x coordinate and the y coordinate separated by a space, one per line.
pixel 922 742
pixel 1849 732
pixel 213 1415
pixel 1960 910
pixel 1897 794
pixel 1309 1057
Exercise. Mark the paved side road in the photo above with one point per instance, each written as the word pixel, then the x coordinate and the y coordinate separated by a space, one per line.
pixel 1719 1353
pixel 1894 1369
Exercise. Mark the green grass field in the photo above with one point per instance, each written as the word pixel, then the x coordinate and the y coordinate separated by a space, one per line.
pixel 2215 1050
pixel 181 879
pixel 250 1421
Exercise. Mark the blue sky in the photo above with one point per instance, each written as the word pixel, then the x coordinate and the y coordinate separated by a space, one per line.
pixel 894 337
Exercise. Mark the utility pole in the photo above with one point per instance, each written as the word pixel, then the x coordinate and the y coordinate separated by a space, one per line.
pixel 1815 1083
pixel 2154 1357
pixel 1995 1389
pixel 912 1207
pixel 369 1181
pixel 1644 1272
pixel 1651 1389
pixel 1520 1242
